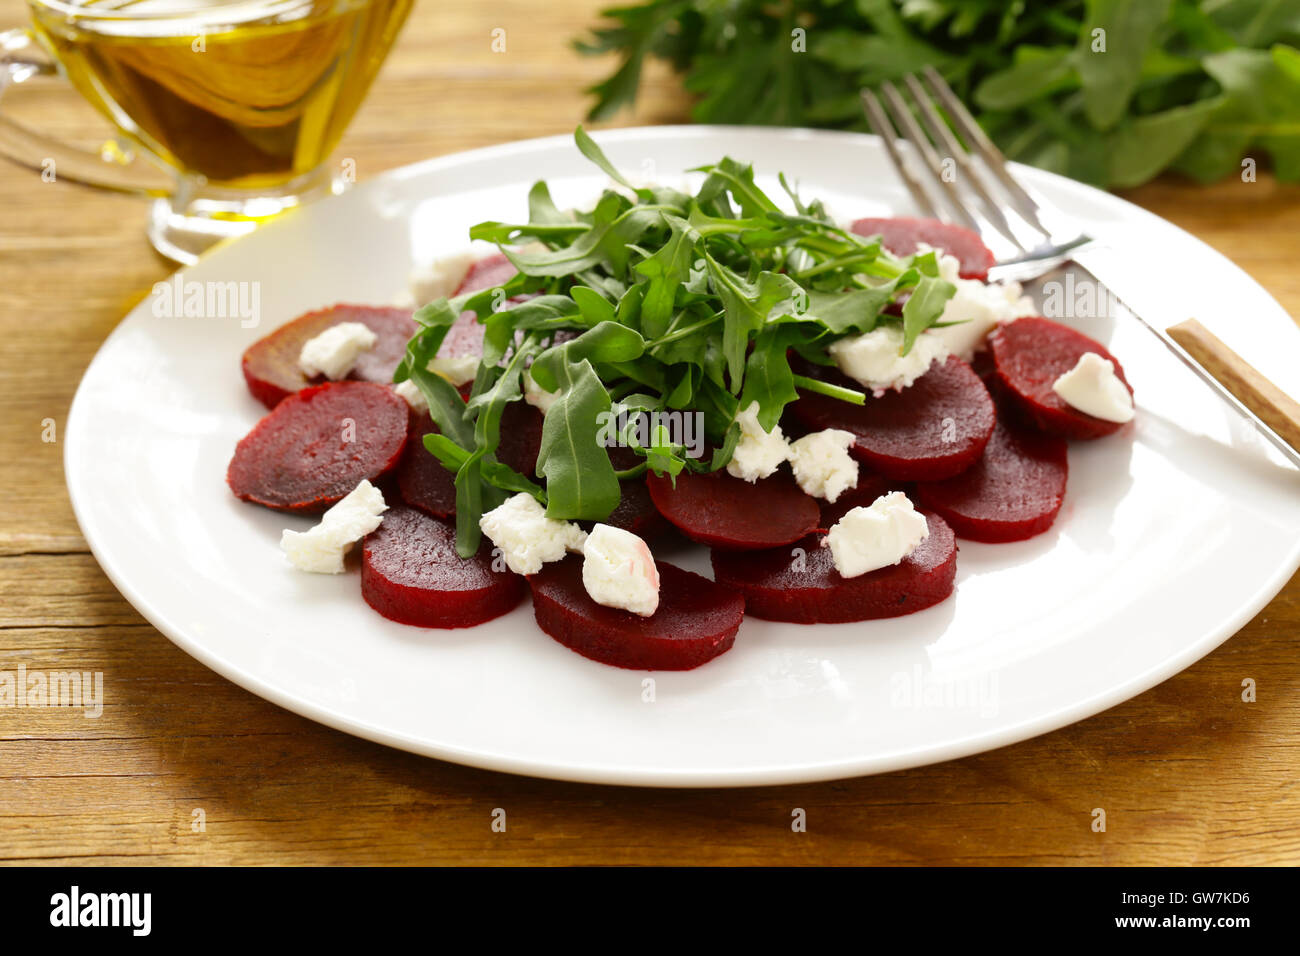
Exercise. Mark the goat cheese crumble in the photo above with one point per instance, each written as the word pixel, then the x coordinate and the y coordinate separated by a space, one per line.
pixel 321 549
pixel 1094 389
pixel 978 308
pixel 440 278
pixel 411 392
pixel 618 570
pixel 537 396
pixel 759 453
pixel 336 350
pixel 874 359
pixel 458 371
pixel 822 464
pixel 526 537
pixel 877 536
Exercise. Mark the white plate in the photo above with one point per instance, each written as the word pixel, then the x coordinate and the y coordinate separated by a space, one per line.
pixel 1174 532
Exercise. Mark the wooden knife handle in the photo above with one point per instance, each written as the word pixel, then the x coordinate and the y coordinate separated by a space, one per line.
pixel 1278 410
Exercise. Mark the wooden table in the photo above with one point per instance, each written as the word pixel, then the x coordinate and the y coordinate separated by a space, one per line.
pixel 1187 773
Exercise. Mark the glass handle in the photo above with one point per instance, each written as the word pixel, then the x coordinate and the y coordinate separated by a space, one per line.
pixel 21 58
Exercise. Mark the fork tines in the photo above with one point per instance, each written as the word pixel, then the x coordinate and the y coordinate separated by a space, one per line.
pixel 968 200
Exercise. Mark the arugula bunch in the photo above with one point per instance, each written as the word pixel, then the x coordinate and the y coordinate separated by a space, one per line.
pixel 653 301
pixel 1192 85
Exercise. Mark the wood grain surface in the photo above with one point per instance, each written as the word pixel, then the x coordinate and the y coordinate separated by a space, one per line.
pixel 1186 773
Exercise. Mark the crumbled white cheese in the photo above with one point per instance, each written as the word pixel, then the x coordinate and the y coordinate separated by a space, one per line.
pixel 458 370
pixel 335 351
pixel 526 537
pixel 978 306
pixel 874 537
pixel 1094 389
pixel 321 549
pixel 822 463
pixel 618 570
pixel 758 453
pixel 873 358
pixel 440 278
pixel 537 396
pixel 414 397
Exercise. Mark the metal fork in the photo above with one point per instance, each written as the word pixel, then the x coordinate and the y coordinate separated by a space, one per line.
pixel 1030 238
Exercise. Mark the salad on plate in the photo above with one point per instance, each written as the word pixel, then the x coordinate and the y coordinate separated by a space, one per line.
pixel 827 407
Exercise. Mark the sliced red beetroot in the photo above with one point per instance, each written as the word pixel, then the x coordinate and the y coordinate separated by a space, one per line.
pixel 411 573
pixel 271 363
pixel 1013 492
pixel 422 481
pixel 901 234
pixel 486 273
pixel 871 485
pixel 636 511
pixel 982 365
pixel 318 444
pixel 800 584
pixel 696 621
pixel 521 437
pixel 465 337
pixel 935 428
pixel 725 512
pixel 1030 354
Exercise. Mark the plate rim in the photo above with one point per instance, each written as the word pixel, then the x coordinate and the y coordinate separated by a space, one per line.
pixel 663 777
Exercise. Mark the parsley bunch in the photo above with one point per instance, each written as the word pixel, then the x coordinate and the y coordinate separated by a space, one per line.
pixel 1110 92
pixel 653 301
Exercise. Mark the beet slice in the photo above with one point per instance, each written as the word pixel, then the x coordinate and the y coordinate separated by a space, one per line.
pixel 271 363
pixel 800 584
pixel 1030 354
pixel 465 337
pixel 422 481
pixel 935 428
pixel 696 621
pixel 521 437
pixel 318 444
pixel 636 511
pixel 485 273
pixel 901 234
pixel 726 512
pixel 411 573
pixel 1012 493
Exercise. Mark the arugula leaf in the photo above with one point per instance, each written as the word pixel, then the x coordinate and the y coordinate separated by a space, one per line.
pixel 768 379
pixel 1110 74
pixel 606 342
pixel 923 308
pixel 446 406
pixel 661 304
pixel 587 146
pixel 1042 92
pixel 746 306
pixel 667 269
pixel 580 481
pixel 856 310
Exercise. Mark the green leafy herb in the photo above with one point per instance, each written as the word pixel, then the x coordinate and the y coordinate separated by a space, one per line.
pixel 653 318
pixel 1109 91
